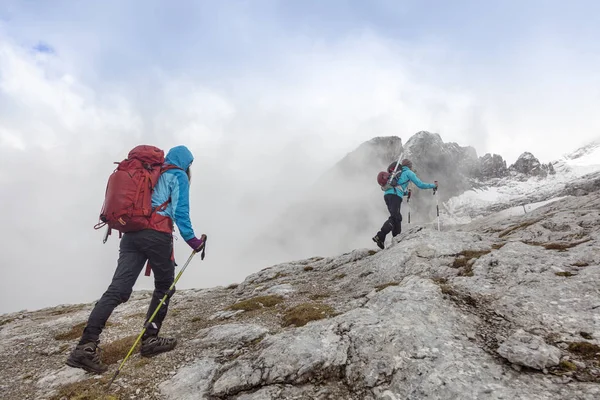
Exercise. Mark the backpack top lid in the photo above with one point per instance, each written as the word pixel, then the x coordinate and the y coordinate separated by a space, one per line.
pixel 382 178
pixel 147 154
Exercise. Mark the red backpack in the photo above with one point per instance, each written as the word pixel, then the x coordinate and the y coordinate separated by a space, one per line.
pixel 128 199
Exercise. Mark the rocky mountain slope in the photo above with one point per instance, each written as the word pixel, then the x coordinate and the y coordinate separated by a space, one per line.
pixel 499 308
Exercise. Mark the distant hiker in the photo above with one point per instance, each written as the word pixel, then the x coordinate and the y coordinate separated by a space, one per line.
pixel 395 190
pixel 165 182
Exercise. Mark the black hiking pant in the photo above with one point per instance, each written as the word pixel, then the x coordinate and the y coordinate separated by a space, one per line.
pixel 393 223
pixel 135 249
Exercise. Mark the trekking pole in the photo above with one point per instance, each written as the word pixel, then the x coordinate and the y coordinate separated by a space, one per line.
pixel 408 202
pixel 391 178
pixel 169 293
pixel 437 204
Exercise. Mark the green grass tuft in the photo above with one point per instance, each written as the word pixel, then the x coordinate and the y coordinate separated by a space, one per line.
pixel 581 264
pixel 117 350
pixel 379 288
pixel 256 303
pixel 464 258
pixel 585 349
pixel 520 226
pixel 567 366
pixel 565 274
pixel 304 313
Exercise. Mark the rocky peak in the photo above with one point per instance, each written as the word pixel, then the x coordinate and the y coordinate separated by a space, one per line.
pixel 430 148
pixel 370 155
pixel 423 141
pixel 433 159
pixel 528 165
pixel 491 166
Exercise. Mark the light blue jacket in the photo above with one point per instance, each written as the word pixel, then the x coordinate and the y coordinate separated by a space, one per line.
pixel 174 183
pixel 405 177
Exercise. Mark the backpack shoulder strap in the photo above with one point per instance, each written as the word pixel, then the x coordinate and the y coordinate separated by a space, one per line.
pixel 399 175
pixel 167 167
pixel 398 187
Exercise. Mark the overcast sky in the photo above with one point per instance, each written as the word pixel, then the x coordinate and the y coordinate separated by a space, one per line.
pixel 267 95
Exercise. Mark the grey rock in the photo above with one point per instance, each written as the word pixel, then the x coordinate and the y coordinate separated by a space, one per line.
pixel 51 351
pixel 310 350
pixel 63 376
pixel 282 290
pixel 227 314
pixel 528 350
pixel 191 382
pixel 230 335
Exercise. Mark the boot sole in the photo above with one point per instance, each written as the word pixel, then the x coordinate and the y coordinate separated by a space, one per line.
pixel 156 352
pixel 75 364
pixel 377 243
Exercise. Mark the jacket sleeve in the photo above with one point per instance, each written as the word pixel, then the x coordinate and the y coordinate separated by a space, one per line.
pixel 421 185
pixel 180 201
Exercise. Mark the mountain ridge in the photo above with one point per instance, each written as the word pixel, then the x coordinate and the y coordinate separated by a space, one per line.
pixel 345 207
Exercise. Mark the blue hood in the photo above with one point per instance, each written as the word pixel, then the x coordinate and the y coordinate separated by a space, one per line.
pixel 180 156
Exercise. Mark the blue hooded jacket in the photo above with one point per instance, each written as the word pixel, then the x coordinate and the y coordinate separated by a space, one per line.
pixel 405 177
pixel 174 184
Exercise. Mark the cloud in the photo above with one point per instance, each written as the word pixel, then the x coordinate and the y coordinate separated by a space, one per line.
pixel 50 108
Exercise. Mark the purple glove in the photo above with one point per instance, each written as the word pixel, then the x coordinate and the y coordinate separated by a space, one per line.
pixel 196 244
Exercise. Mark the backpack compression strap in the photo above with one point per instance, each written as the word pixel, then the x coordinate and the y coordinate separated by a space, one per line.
pixel 398 183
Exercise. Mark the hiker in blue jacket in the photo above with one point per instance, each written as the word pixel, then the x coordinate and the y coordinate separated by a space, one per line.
pixel 393 199
pixel 154 245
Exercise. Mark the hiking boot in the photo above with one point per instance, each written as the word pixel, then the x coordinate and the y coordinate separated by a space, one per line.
pixel 379 242
pixel 86 356
pixel 155 345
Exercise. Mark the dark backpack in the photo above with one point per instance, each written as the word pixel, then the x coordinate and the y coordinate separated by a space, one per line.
pixel 389 179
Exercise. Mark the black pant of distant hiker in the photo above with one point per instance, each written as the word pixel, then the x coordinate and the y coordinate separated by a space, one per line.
pixel 135 249
pixel 393 223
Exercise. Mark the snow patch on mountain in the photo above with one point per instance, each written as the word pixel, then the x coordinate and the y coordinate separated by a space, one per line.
pixel 585 150
pixel 521 196
pixel 587 160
